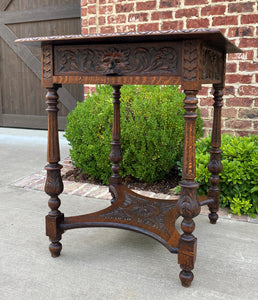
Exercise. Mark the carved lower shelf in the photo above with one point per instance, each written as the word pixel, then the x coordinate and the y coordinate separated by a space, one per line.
pixel 153 217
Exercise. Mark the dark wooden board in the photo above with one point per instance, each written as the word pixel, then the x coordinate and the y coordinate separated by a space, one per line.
pixel 212 36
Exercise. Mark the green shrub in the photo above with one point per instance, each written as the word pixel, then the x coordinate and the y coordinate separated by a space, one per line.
pixel 151 132
pixel 239 178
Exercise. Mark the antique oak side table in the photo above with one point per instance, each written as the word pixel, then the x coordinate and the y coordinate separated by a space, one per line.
pixel 188 58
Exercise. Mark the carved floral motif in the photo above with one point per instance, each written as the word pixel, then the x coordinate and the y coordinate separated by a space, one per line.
pixel 187 204
pixel 142 211
pixel 54 183
pixel 47 62
pixel 215 166
pixel 211 64
pixel 116 60
pixel 190 60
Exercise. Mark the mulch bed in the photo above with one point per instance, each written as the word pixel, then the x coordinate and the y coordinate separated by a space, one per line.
pixel 164 186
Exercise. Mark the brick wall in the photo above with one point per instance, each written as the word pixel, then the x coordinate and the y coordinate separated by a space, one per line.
pixel 236 19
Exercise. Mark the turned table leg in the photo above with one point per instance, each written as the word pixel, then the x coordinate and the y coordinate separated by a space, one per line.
pixel 215 166
pixel 188 205
pixel 115 154
pixel 54 184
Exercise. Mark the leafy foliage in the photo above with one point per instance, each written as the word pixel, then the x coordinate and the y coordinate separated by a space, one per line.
pixel 152 131
pixel 239 178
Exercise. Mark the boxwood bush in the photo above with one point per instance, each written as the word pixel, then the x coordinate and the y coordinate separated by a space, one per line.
pixel 239 178
pixel 152 131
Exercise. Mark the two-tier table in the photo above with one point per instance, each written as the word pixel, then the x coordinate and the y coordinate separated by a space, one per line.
pixel 188 58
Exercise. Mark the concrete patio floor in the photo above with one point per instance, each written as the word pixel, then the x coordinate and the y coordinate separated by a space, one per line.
pixel 101 263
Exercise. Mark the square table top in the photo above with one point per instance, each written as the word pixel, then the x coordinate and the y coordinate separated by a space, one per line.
pixel 212 36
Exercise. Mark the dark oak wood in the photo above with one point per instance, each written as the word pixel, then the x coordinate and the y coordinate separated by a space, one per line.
pixel 188 205
pixel 54 184
pixel 190 58
pixel 115 154
pixel 215 166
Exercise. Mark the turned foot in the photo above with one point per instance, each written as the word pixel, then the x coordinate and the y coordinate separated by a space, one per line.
pixel 55 249
pixel 186 277
pixel 213 216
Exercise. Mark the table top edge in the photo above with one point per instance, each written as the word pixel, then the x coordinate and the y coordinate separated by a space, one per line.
pixel 212 35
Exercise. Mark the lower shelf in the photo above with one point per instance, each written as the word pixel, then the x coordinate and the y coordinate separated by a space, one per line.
pixel 153 217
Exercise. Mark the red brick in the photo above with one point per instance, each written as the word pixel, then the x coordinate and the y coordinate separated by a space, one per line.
pixel 89 89
pixel 229 112
pixel 256 77
pixel 102 20
pixel 249 113
pixel 92 21
pixel 234 78
pixel 239 102
pixel 116 19
pixel 246 55
pixel 206 101
pixel 248 90
pixel 240 31
pixel 248 66
pixel 172 25
pixel 240 7
pixel 84 2
pixel 249 19
pixel 191 12
pixel 91 9
pixel 107 29
pixel 244 133
pixel 229 90
pixel 105 9
pixel 84 22
pixel 238 124
pixel 140 17
pixel 169 3
pixel 222 30
pixel 95 193
pixel 204 91
pixel 228 20
pixel 222 1
pixel 248 43
pixel 157 15
pixel 223 131
pixel 92 30
pixel 194 2
pixel 207 123
pixel 231 67
pixel 149 5
pixel 126 28
pixel 85 30
pixel 204 112
pixel 197 23
pixel 213 10
pixel 256 125
pixel 148 27
pixel 127 7
pixel 84 12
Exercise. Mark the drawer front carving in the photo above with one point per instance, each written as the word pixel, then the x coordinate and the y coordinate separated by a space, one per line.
pixel 118 60
pixel 211 67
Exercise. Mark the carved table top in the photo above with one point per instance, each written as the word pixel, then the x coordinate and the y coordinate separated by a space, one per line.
pixel 186 57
